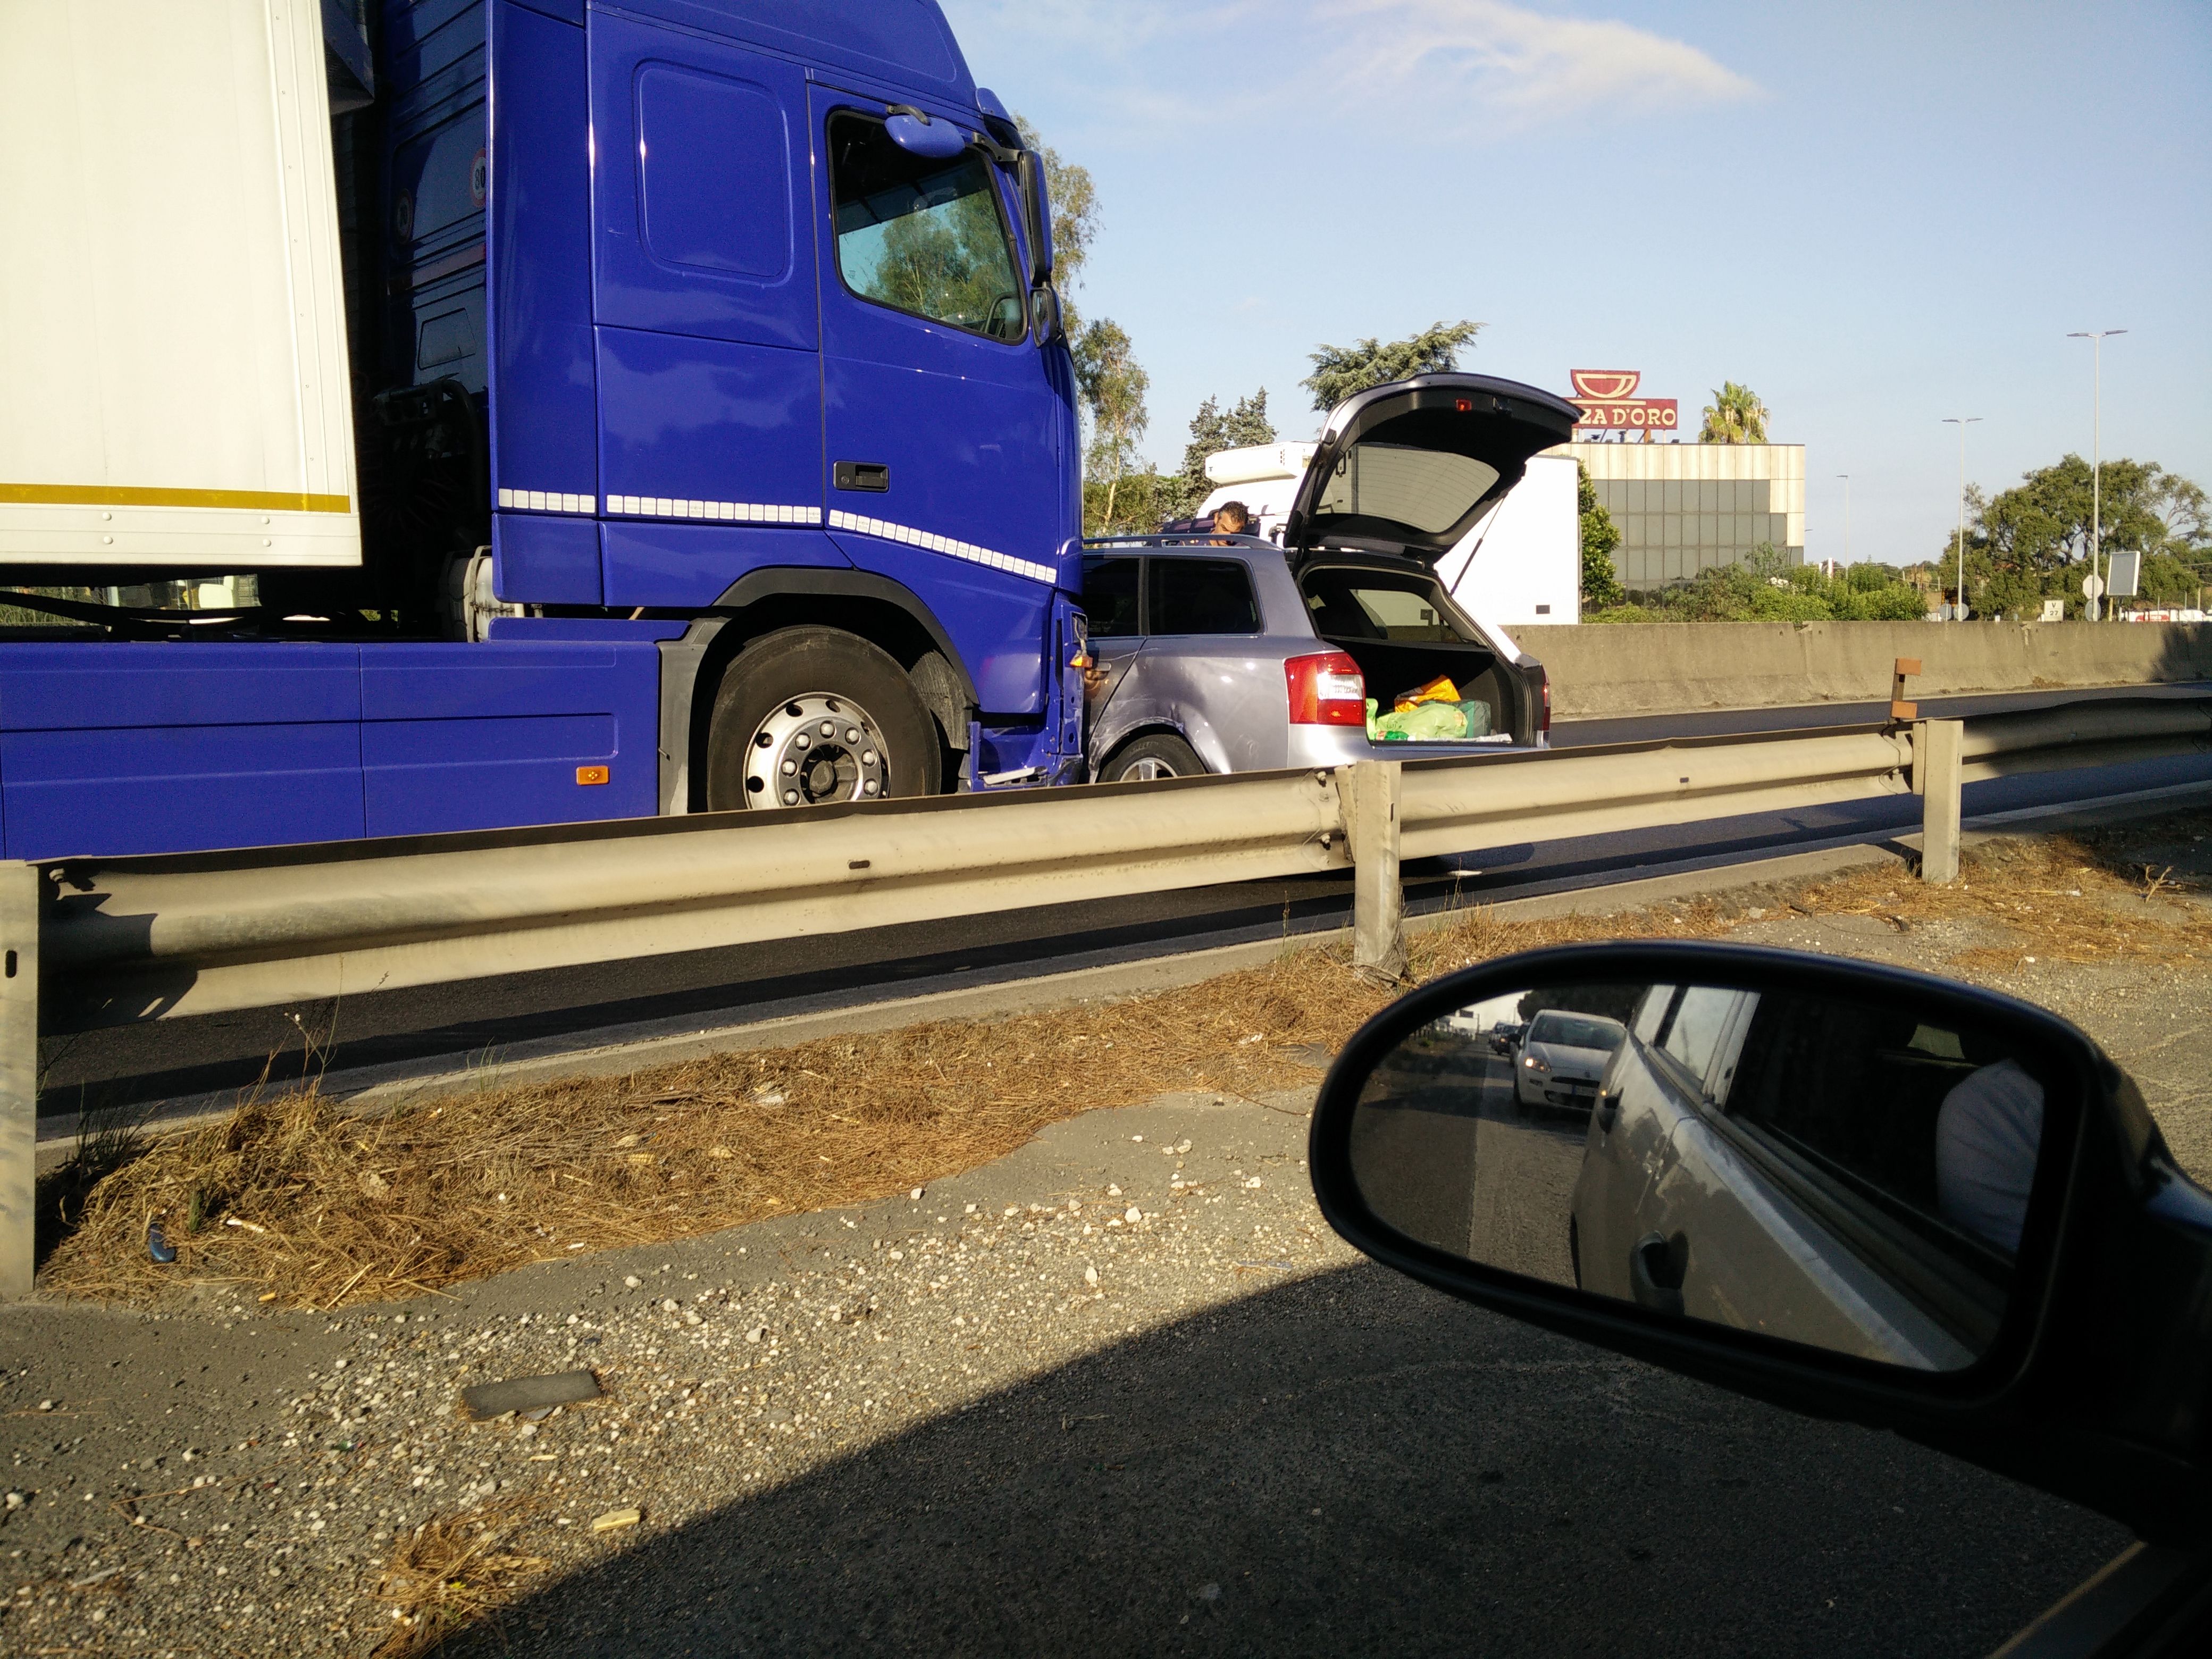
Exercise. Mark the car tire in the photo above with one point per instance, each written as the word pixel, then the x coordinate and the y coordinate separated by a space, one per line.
pixel 805 716
pixel 1162 755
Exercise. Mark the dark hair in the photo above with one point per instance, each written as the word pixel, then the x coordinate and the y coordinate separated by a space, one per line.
pixel 1242 514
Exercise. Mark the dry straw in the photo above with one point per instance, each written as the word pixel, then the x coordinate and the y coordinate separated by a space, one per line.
pixel 296 1201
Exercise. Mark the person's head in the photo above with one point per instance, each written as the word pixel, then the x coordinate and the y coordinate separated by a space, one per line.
pixel 1231 518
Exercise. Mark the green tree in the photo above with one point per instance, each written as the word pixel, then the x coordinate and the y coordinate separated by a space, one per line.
pixel 1602 589
pixel 2032 542
pixel 1213 429
pixel 1735 416
pixel 1342 371
pixel 1112 385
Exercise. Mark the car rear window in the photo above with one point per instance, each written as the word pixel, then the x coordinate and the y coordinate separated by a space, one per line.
pixel 1572 1032
pixel 1201 596
pixel 1109 596
pixel 1350 605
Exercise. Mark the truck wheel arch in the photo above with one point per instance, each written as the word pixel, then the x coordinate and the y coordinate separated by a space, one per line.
pixel 875 608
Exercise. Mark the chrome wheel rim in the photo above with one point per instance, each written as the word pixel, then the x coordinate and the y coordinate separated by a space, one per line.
pixel 816 748
pixel 1147 768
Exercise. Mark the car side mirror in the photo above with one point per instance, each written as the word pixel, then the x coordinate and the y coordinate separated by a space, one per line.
pixel 1848 1188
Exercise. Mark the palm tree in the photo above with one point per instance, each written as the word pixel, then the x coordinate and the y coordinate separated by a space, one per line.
pixel 1735 416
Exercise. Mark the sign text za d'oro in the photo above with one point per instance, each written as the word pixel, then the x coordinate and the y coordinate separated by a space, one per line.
pixel 1607 398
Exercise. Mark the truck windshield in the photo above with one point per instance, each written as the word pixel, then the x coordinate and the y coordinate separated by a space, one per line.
pixel 922 234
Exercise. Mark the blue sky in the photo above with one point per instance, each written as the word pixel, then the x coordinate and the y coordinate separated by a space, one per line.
pixel 1876 215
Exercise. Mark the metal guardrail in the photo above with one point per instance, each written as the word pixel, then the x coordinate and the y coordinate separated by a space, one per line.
pixel 100 942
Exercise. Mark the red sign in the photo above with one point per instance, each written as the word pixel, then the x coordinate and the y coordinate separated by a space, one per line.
pixel 1606 398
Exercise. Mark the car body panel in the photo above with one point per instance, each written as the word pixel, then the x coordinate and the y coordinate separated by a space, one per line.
pixel 1658 1164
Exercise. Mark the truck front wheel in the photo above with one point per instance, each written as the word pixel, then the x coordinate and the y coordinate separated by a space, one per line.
pixel 809 716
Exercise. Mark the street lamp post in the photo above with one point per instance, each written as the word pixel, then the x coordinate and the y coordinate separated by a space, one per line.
pixel 1962 421
pixel 1846 477
pixel 2096 340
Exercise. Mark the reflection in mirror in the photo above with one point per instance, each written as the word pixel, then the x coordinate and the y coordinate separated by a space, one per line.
pixel 1850 1175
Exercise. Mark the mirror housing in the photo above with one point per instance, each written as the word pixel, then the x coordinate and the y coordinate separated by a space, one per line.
pixel 2098 1384
pixel 914 130
pixel 1046 322
pixel 1036 208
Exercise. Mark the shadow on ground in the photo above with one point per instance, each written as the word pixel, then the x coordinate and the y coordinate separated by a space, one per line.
pixel 1349 1464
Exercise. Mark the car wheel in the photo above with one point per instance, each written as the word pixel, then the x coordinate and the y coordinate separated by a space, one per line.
pixel 1160 755
pixel 809 715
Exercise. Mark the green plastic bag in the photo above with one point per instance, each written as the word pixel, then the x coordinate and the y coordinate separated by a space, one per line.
pixel 1429 722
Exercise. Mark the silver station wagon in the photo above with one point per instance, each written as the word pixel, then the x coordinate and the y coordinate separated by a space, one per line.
pixel 1231 654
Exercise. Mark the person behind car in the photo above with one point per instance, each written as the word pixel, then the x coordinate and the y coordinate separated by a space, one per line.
pixel 1987 1134
pixel 1231 519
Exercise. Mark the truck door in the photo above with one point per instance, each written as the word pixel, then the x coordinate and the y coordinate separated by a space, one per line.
pixel 710 389
pixel 948 445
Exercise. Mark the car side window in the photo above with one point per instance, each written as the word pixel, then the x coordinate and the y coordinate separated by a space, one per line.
pixel 1695 1025
pixel 921 234
pixel 1109 596
pixel 1201 596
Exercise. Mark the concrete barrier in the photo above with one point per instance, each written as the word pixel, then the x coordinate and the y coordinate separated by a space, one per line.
pixel 1658 668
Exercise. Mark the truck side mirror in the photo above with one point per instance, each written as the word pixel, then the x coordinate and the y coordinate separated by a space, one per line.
pixel 913 130
pixel 1046 322
pixel 1852 1190
pixel 1036 206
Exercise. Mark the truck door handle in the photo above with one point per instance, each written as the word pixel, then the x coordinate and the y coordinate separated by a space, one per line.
pixel 871 476
pixel 1657 1268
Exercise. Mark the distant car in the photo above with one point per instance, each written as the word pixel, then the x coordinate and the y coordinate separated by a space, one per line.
pixel 1233 654
pixel 1505 1035
pixel 1563 1059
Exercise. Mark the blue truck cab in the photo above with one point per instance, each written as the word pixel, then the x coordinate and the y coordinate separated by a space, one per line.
pixel 717 448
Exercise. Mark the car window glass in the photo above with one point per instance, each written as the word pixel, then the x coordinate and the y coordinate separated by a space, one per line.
pixel 1652 1012
pixel 1700 1018
pixel 1430 490
pixel 1201 596
pixel 1575 1032
pixel 1109 596
pixel 922 233
pixel 1350 605
pixel 1872 1110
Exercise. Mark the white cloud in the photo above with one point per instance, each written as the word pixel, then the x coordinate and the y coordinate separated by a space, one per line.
pixel 1228 60
pixel 1528 64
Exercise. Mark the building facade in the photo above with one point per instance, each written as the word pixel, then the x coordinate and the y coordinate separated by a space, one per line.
pixel 1683 507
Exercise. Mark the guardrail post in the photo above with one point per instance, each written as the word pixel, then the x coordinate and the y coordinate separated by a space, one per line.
pixel 1370 790
pixel 1938 750
pixel 19 1077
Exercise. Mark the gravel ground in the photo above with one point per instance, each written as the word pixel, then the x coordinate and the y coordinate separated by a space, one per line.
pixel 1121 1386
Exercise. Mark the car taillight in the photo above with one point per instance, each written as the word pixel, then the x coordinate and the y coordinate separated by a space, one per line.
pixel 1544 721
pixel 1326 689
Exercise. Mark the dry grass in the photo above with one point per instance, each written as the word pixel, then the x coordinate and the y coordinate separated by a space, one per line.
pixel 295 1201
pixel 454 1573
pixel 2072 899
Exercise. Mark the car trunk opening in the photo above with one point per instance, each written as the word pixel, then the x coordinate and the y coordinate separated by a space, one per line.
pixel 1397 624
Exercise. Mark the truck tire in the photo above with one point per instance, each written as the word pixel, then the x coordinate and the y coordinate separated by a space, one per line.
pixel 809 715
pixel 1162 755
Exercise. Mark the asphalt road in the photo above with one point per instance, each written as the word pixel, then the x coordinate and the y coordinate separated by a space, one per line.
pixel 443 1028
pixel 1005 1418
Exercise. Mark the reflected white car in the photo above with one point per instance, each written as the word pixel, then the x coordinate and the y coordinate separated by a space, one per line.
pixel 1562 1057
